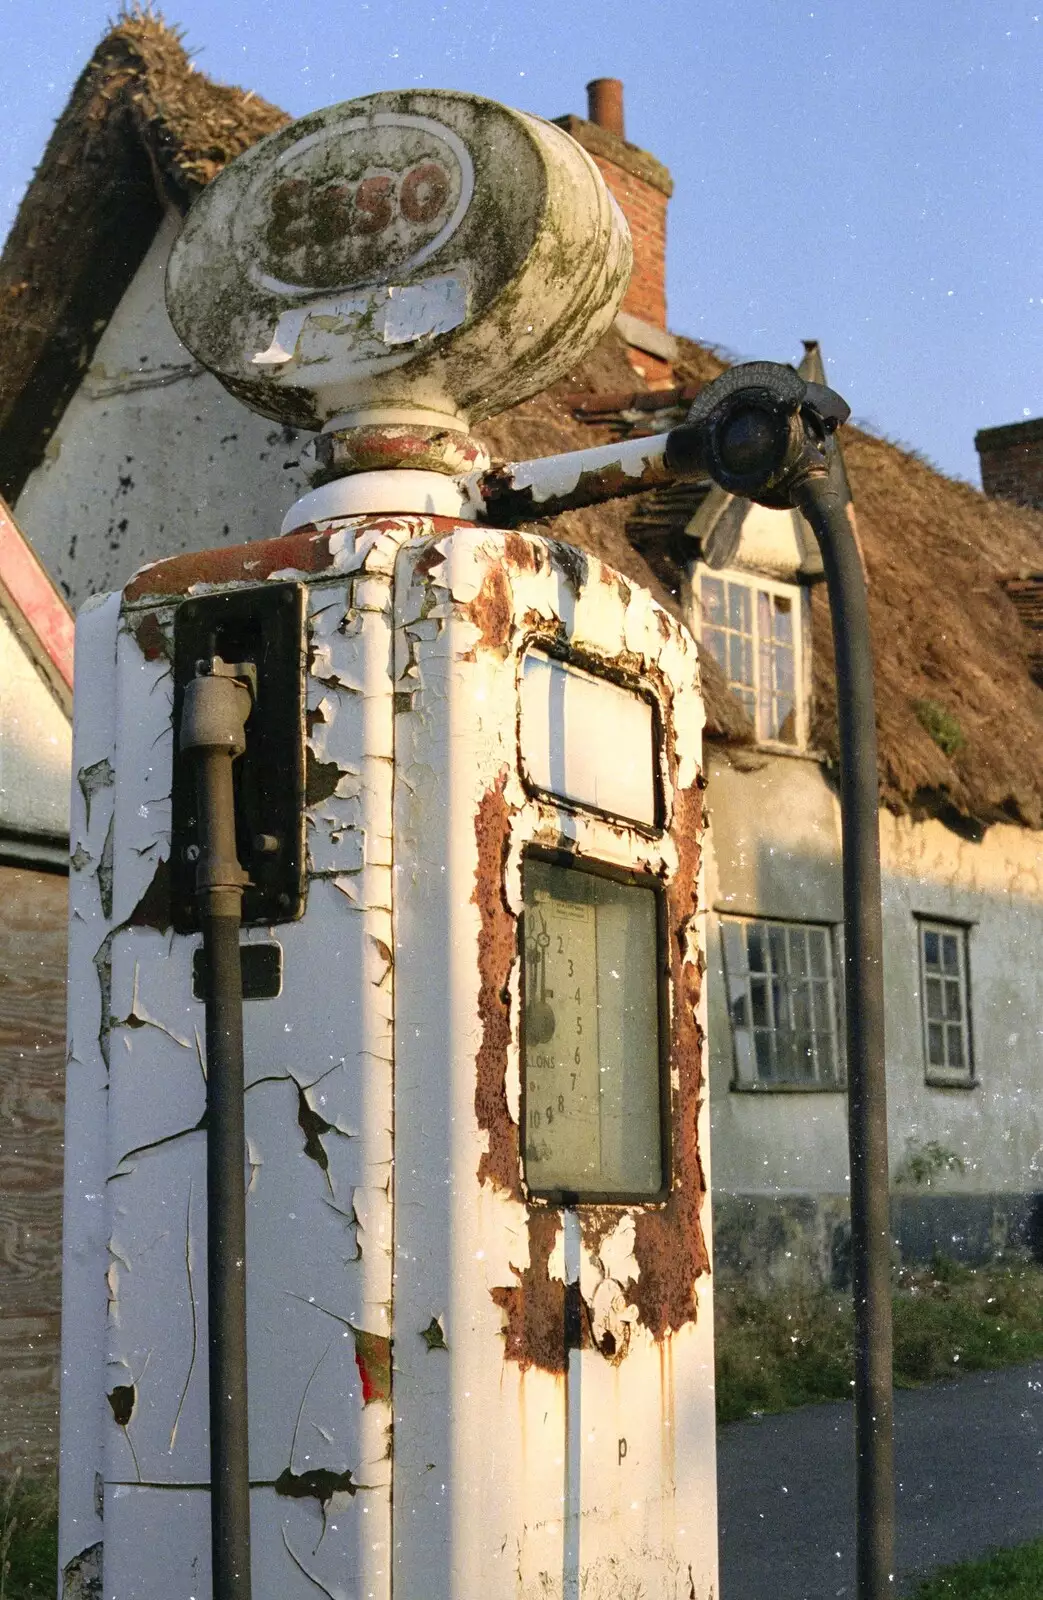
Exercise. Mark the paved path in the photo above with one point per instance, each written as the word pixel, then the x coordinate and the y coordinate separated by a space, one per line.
pixel 969 1466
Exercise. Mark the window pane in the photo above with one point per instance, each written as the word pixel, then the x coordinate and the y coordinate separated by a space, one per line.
pixel 826 1064
pixel 791 1014
pixel 737 659
pixel 734 953
pixel 798 958
pixel 712 592
pixel 787 1068
pixel 784 671
pixel 786 720
pixel 946 1022
pixel 823 1017
pixel 739 608
pixel 783 619
pixel 717 644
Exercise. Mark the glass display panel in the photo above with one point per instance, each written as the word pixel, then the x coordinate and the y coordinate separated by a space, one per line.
pixel 592 1098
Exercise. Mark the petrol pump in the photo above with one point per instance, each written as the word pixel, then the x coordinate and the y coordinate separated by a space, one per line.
pixel 428 793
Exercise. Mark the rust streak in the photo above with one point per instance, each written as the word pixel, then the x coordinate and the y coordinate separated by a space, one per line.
pixel 151 640
pixel 669 1243
pixel 492 611
pixel 534 1309
pixel 496 953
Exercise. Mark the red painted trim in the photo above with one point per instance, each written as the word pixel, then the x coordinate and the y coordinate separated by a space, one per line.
pixel 30 589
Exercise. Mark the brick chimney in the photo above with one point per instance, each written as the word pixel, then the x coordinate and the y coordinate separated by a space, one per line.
pixel 1012 462
pixel 642 186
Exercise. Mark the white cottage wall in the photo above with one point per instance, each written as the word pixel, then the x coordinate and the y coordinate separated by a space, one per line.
pixel 152 457
pixel 780 1156
pixel 35 752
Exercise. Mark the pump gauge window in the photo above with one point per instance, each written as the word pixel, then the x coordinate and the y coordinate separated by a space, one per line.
pixel 591 1034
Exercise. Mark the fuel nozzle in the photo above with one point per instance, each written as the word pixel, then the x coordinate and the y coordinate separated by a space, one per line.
pixel 760 430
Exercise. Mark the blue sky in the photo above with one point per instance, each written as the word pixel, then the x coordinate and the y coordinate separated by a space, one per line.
pixel 870 174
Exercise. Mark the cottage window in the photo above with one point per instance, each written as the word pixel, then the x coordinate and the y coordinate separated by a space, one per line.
pixel 945 1003
pixel 752 628
pixel 782 1003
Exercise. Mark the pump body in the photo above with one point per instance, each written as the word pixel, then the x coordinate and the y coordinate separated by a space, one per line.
pixel 478 1289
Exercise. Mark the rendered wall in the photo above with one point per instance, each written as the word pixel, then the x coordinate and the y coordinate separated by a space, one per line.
pixel 35 745
pixel 152 457
pixel 780 1156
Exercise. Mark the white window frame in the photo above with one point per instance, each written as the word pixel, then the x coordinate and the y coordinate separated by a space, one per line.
pixel 797 595
pixel 940 986
pixel 775 987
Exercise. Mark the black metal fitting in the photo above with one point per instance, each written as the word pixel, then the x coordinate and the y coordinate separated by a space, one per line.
pixel 760 430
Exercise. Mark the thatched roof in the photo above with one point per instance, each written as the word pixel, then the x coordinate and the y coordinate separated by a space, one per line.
pixel 960 717
pixel 142 130
pixel 956 612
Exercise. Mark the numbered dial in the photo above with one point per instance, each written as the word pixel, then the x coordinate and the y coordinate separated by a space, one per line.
pixel 591 1039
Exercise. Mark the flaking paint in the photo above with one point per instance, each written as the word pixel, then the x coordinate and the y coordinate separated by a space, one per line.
pixel 382 1203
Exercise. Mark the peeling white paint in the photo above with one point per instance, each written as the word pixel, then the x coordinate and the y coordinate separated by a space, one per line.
pixel 365 1214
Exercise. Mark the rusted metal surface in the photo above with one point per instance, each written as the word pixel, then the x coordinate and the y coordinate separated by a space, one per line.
pixel 497 952
pixel 307 552
pixel 373 448
pixel 669 1248
pixel 669 1244
pixel 526 491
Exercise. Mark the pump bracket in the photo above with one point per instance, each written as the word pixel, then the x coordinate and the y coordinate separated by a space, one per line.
pixel 262 631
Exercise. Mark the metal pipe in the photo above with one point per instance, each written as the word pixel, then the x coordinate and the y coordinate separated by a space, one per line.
pixel 822 501
pixel 762 431
pixel 523 491
pixel 212 730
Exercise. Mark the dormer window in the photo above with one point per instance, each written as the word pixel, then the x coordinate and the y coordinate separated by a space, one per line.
pixel 753 627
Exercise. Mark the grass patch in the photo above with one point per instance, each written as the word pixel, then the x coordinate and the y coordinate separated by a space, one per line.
pixel 1005 1575
pixel 797 1346
pixel 28 1538
pixel 941 725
